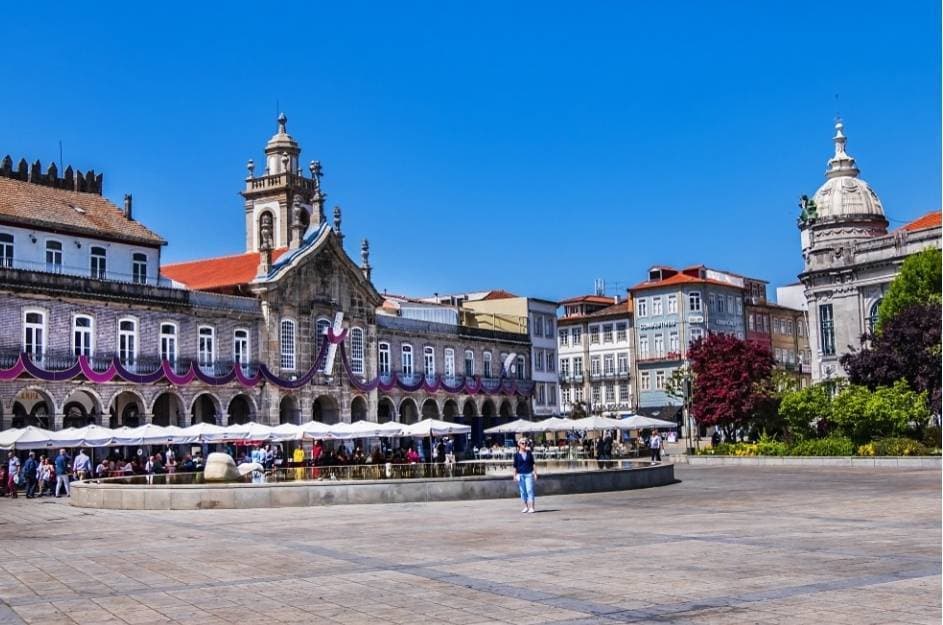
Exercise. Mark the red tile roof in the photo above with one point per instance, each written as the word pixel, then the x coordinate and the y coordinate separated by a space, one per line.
pixel 61 210
pixel 592 299
pixel 930 220
pixel 499 294
pixel 678 278
pixel 216 273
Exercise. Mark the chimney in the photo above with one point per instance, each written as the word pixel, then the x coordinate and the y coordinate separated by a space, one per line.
pixel 127 206
pixel 615 298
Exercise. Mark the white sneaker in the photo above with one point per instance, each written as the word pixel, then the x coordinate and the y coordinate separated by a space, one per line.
pixel 531 511
pixel 524 510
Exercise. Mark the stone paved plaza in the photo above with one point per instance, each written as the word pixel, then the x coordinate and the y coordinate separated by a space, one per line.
pixel 725 545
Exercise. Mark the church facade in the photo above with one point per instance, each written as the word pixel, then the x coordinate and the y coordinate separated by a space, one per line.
pixel 850 259
pixel 97 330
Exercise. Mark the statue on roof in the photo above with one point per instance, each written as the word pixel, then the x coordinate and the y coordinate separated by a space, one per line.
pixel 809 209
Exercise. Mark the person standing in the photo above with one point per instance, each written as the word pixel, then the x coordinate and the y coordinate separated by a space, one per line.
pixel 13 474
pixel 62 473
pixel 30 468
pixel 525 474
pixel 654 443
pixel 82 466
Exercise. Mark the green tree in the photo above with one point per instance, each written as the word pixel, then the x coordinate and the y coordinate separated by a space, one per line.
pixel 803 411
pixel 918 282
pixel 863 415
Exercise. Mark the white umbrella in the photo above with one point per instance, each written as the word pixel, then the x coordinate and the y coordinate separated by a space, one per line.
pixel 595 423
pixel 203 433
pixel 520 425
pixel 553 424
pixel 97 436
pixel 287 432
pixel 365 429
pixel 257 431
pixel 123 436
pixel 30 437
pixel 69 437
pixel 638 422
pixel 434 427
pixel 316 429
pixel 149 434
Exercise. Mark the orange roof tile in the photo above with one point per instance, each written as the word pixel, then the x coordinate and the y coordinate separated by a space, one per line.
pixel 215 273
pixel 678 278
pixel 61 210
pixel 499 294
pixel 930 220
pixel 592 299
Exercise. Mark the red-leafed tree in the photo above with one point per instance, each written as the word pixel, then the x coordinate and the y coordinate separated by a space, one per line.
pixel 731 380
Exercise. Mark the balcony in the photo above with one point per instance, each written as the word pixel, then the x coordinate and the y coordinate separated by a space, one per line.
pixel 572 378
pixel 609 375
pixel 142 364
pixel 667 357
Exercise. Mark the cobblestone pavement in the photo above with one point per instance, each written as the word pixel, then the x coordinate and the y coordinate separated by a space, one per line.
pixel 725 545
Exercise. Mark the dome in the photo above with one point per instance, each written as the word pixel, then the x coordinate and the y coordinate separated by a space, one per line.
pixel 281 141
pixel 844 193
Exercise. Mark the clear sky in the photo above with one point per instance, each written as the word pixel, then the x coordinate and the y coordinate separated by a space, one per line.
pixel 531 147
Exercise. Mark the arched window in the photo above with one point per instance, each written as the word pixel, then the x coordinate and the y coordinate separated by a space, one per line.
pixel 383 359
pixel 240 347
pixel 53 257
pixel 139 268
pixel 469 362
pixel 288 344
pixel 356 350
pixel 449 362
pixel 168 343
pixel 428 360
pixel 873 314
pixel 320 333
pixel 34 335
pixel 99 259
pixel 406 360
pixel 128 342
pixel 486 362
pixel 82 335
pixel 6 250
pixel 521 368
pixel 206 347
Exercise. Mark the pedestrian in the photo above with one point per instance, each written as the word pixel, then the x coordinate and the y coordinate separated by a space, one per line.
pixel 525 474
pixel 29 474
pixel 13 474
pixel 715 438
pixel 82 466
pixel 62 473
pixel 654 443
pixel 45 476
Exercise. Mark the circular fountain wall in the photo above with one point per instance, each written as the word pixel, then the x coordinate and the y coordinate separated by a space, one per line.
pixel 364 485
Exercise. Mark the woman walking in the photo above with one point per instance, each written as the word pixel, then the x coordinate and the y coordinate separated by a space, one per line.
pixel 525 475
pixel 654 444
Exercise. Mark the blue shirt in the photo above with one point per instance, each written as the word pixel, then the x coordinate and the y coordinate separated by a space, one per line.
pixel 524 464
pixel 62 464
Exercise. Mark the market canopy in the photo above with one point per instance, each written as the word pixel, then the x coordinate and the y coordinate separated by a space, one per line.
pixel 520 425
pixel 639 422
pixel 365 429
pixel 30 437
pixel 553 424
pixel 596 423
pixel 202 433
pixel 434 427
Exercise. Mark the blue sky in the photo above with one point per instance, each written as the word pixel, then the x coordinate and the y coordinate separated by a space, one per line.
pixel 532 147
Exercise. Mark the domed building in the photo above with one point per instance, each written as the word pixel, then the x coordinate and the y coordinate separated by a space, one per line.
pixel 850 258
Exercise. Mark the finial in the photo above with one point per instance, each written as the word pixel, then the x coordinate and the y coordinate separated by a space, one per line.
pixel 251 167
pixel 842 164
pixel 337 218
pixel 282 123
pixel 365 259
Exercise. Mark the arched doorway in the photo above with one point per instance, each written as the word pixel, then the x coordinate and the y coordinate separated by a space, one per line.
pixel 168 409
pixel 288 411
pixel 430 409
pixel 523 409
pixel 488 419
pixel 126 410
pixel 80 408
pixel 32 407
pixel 240 410
pixel 386 411
pixel 205 409
pixel 469 412
pixel 450 411
pixel 408 411
pixel 358 409
pixel 505 410
pixel 325 410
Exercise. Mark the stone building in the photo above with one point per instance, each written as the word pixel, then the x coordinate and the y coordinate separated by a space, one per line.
pixel 850 258
pixel 287 331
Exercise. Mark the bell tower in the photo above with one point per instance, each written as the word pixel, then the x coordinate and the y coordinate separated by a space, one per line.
pixel 292 201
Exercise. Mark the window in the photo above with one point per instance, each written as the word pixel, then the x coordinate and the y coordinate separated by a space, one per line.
pixel 240 347
pixel 674 344
pixel 645 381
pixel 609 364
pixel 428 361
pixel 578 395
pixel 800 328
pixel 538 360
pixel 406 360
pixel 538 325
pixel 751 322
pixel 621 332
pixel 99 263
pixel 383 359
pixel 34 335
pixel 82 336
pixel 548 329
pixel 594 366
pixel 712 303
pixel 521 368
pixel 739 304
pixel 827 327
pixel 610 393
pixel 624 392
pixel 486 361
pixel 696 333
pixel 623 363
pixel 168 343
pixel 643 347
pixel 564 368
pixel 787 327
pixel 139 268
pixel 872 315
pixel 694 301
pixel 565 395
pixel 656 306
pixel 577 336
pixel 551 361
pixel 206 347
pixel 730 307
pixel 641 309
pixel 320 333
pixel 564 337
pixel 607 333
pixel 288 344
pixel 541 396
pixel 659 380
pixel 597 399
pixel 672 304
pixel 578 366
pixel 53 257
pixel 449 362
pixel 6 250
pixel 127 342
pixel 659 345
pixel 593 335
pixel 356 351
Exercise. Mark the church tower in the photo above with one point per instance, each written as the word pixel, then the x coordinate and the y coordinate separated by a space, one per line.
pixel 281 195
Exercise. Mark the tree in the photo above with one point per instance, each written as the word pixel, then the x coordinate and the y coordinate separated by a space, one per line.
pixel 907 348
pixel 917 283
pixel 864 415
pixel 732 380
pixel 804 410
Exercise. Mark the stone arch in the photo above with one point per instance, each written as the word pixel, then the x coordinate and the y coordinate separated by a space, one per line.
pixel 82 407
pixel 469 409
pixel 288 410
pixel 488 419
pixel 505 410
pixel 523 409
pixel 206 408
pixel 358 408
pixel 430 409
pixel 386 410
pixel 127 409
pixel 408 411
pixel 450 410
pixel 325 410
pixel 33 405
pixel 168 409
pixel 241 409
